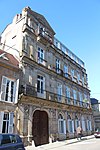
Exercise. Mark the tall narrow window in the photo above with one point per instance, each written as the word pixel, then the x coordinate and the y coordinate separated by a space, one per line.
pixel 80 98
pixel 77 123
pixel 58 65
pixel 61 124
pixel 70 125
pixel 40 84
pixel 78 77
pixel 5 123
pixel 83 79
pixel 72 73
pixel 89 126
pixel 59 92
pixel 66 70
pixel 40 55
pixel 68 94
pixel 75 96
pixel 83 124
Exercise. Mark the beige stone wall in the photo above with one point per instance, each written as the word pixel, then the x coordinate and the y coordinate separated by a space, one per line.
pixel 21 33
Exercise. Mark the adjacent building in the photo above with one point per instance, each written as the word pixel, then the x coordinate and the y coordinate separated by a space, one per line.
pixel 54 98
pixel 9 85
pixel 96 112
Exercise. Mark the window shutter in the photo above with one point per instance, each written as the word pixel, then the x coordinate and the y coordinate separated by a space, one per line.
pixel 64 126
pixel 1 120
pixel 3 88
pixel 16 91
pixel 11 116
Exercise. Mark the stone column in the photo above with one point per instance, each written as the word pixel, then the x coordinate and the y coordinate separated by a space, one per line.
pixel 30 118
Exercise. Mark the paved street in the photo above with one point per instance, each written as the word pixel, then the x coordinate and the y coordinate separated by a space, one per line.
pixel 87 143
pixel 92 144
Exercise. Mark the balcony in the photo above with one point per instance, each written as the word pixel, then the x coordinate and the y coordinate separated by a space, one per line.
pixel 29 90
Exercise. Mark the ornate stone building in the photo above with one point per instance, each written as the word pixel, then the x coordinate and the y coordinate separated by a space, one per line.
pixel 54 97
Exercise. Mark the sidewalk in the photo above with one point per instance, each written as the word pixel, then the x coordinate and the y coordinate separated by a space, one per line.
pixel 58 143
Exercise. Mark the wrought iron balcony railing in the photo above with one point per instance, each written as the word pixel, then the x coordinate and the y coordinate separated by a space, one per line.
pixel 34 92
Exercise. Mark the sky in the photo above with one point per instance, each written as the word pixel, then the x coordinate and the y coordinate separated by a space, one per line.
pixel 76 24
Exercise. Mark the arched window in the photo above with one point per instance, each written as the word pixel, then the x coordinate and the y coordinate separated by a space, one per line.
pixel 61 124
pixel 70 124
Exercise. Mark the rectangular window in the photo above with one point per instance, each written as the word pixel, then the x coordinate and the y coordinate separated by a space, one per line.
pixel 40 84
pixel 40 55
pixel 77 123
pixel 78 77
pixel 70 126
pixel 6 122
pixel 59 92
pixel 72 74
pixel 83 124
pixel 83 80
pixel 68 94
pixel 9 90
pixel 75 96
pixel 89 125
pixel 80 98
pixel 66 70
pixel 61 126
pixel 57 65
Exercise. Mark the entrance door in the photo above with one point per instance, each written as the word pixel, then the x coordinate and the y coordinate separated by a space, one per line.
pixel 40 128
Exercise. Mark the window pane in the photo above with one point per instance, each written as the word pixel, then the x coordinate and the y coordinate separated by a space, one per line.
pixel 7 90
pixel 38 86
pixel 12 90
pixel 4 127
pixel 41 87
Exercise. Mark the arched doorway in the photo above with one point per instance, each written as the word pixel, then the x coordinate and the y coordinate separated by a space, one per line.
pixel 40 128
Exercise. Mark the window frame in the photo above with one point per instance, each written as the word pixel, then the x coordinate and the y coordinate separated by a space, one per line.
pixel 61 124
pixel 57 65
pixel 40 84
pixel 40 55
pixel 12 95
pixel 9 122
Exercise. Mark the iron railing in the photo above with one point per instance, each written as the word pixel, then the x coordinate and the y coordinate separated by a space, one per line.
pixel 34 92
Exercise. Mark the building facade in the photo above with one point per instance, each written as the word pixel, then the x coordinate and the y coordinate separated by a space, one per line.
pixel 54 98
pixel 9 84
pixel 96 112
